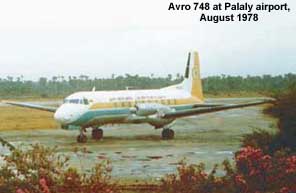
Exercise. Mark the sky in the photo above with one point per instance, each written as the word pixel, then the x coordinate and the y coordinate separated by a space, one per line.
pixel 99 38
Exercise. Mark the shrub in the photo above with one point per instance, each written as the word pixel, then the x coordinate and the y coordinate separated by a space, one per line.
pixel 40 170
pixel 259 138
pixel 265 173
pixel 253 172
pixel 284 109
pixel 192 178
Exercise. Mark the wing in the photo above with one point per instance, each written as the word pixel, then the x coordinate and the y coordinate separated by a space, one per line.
pixel 32 106
pixel 207 105
pixel 198 111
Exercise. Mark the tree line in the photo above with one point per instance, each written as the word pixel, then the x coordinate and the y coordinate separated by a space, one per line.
pixel 60 86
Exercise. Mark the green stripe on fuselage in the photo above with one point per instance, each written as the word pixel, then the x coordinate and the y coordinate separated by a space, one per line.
pixel 91 115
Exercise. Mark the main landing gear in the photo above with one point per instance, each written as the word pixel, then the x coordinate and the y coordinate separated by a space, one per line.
pixel 167 134
pixel 96 134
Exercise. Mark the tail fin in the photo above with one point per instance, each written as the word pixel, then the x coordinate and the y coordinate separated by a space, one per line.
pixel 192 82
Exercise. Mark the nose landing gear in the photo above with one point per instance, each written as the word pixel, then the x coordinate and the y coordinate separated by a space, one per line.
pixel 82 138
pixel 167 134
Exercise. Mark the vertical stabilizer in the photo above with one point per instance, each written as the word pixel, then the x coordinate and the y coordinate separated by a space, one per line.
pixel 196 89
pixel 192 82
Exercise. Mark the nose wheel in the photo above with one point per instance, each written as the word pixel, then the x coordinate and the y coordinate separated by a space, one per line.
pixel 97 133
pixel 81 138
pixel 167 134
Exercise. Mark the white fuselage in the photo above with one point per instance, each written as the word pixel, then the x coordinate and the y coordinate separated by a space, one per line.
pixel 78 104
pixel 103 107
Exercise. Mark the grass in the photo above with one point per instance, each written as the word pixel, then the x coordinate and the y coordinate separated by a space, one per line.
pixel 17 118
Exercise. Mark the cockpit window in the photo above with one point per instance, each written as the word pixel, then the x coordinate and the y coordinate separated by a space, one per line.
pixel 73 101
pixel 85 101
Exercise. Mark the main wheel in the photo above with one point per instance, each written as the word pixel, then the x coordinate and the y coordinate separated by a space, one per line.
pixel 97 133
pixel 167 134
pixel 81 138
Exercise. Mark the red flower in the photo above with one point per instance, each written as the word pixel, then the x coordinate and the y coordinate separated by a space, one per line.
pixel 44 186
pixel 291 164
pixel 19 191
pixel 284 190
pixel 240 179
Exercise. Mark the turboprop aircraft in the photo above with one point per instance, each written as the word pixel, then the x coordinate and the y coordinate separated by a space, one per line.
pixel 157 107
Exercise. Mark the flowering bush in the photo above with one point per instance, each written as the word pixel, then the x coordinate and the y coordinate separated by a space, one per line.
pixel 253 172
pixel 194 179
pixel 264 173
pixel 259 138
pixel 41 170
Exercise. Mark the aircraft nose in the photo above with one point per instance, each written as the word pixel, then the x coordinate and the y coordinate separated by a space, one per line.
pixel 61 116
pixel 68 113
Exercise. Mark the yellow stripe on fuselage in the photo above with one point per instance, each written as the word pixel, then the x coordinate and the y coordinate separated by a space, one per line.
pixel 121 104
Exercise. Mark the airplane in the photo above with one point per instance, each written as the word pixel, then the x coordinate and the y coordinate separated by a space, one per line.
pixel 158 107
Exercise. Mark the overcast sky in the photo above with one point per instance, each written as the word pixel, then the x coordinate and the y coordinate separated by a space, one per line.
pixel 100 38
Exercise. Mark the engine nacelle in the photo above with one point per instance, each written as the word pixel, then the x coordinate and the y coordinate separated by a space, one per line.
pixel 146 109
